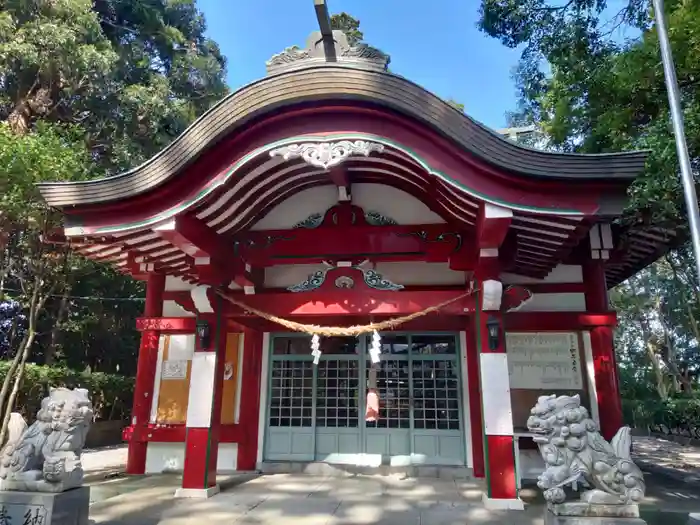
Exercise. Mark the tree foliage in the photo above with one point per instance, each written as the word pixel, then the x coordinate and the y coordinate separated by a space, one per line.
pixel 594 91
pixel 591 77
pixel 132 73
pixel 111 394
pixel 348 25
pixel 87 89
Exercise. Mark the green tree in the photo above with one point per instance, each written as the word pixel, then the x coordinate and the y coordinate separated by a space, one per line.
pixel 592 91
pixel 132 73
pixel 348 25
pixel 31 270
pixel 87 88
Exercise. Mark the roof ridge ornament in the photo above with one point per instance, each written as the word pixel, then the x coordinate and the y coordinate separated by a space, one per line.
pixel 361 56
pixel 326 155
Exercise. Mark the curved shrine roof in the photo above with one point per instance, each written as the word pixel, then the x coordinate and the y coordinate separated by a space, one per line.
pixel 357 76
pixel 330 73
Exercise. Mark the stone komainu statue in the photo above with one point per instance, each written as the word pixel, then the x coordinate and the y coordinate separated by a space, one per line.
pixel 574 451
pixel 45 457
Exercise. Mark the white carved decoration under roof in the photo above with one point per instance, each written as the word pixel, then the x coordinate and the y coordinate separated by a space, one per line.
pixel 360 56
pixel 45 457
pixel 201 300
pixel 574 452
pixel 326 155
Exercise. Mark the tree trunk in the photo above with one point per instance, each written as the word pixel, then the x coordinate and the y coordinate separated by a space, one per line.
pixel 10 374
pixel 17 368
pixel 661 387
pixel 18 119
pixel 18 381
pixel 648 336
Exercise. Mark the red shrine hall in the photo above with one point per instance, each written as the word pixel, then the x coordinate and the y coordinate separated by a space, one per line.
pixel 342 270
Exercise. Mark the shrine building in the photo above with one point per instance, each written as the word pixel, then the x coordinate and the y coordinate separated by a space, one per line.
pixel 451 277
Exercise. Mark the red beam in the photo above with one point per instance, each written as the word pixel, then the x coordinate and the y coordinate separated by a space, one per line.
pixel 514 322
pixel 174 433
pixel 557 321
pixel 416 242
pixel 167 325
pixel 184 298
pixel 350 302
pixel 492 226
pixel 192 236
pixel 339 176
pixel 428 323
pixel 198 240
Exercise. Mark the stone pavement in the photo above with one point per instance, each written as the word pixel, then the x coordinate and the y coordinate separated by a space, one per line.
pixel 105 462
pixel 261 500
pixel 667 458
pixel 296 498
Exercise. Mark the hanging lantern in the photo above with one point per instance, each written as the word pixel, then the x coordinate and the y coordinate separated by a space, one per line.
pixel 316 348
pixel 375 348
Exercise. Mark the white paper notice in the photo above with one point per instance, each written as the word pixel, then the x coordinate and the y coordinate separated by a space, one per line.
pixel 544 361
pixel 174 369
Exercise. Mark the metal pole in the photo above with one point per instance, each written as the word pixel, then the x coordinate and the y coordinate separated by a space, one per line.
pixel 674 101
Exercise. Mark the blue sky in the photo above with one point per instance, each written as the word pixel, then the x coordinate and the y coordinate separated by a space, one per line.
pixel 435 44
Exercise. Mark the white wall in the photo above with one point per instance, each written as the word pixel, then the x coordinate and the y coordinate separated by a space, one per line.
pixel 170 457
pixel 165 457
pixel 555 302
pixel 386 200
pixel 175 284
pixel 298 207
pixel 394 203
pixel 172 309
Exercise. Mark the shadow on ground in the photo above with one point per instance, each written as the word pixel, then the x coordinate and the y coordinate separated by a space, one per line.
pixel 295 498
pixel 292 499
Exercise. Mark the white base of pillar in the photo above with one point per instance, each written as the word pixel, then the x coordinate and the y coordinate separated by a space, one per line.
pixel 502 504
pixel 198 493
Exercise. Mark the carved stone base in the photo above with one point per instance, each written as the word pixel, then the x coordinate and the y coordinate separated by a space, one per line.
pixel 34 482
pixel 582 513
pixel 63 508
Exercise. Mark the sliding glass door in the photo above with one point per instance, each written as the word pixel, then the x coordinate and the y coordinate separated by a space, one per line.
pixel 317 413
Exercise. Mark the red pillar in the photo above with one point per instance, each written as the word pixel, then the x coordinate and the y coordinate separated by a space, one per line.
pixel 498 444
pixel 499 453
pixel 204 411
pixel 250 399
pixel 474 385
pixel 145 377
pixel 604 363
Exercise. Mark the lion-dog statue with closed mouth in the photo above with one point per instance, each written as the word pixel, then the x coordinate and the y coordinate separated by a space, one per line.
pixel 575 453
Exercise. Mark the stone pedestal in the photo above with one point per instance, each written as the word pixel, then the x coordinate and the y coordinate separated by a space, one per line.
pixel 582 513
pixel 45 508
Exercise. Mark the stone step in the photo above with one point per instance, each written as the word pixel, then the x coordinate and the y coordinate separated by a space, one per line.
pixel 317 468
